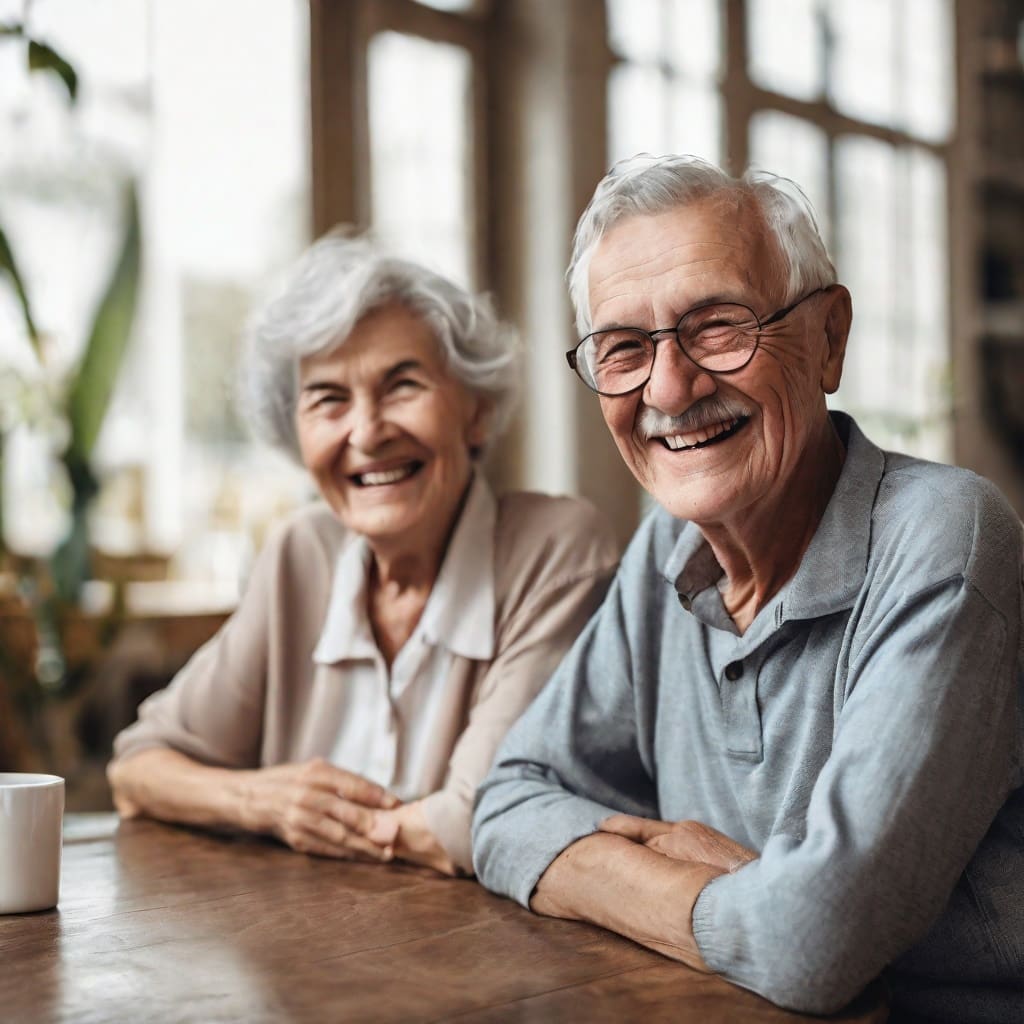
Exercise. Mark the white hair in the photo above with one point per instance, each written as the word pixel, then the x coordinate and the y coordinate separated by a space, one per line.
pixel 645 184
pixel 335 283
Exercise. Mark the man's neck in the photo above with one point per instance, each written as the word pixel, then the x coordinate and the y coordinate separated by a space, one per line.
pixel 761 551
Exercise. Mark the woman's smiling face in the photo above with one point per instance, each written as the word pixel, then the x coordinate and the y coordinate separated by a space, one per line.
pixel 387 432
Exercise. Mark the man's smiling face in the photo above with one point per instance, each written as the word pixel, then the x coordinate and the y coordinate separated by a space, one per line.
pixel 707 446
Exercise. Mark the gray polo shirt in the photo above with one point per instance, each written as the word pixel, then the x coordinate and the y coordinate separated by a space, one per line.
pixel 865 735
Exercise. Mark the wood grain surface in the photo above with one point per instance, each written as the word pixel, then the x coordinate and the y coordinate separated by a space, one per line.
pixel 158 923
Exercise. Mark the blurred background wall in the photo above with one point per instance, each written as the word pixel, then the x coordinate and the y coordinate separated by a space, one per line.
pixel 470 134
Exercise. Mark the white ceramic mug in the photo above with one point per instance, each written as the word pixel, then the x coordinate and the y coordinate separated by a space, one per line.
pixel 31 820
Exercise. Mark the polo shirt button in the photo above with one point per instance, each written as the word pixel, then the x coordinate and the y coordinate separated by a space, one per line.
pixel 733 671
pixel 684 600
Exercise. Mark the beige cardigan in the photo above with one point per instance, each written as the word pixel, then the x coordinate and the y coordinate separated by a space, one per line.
pixel 252 696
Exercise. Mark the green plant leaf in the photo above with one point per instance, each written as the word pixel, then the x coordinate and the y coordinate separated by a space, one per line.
pixel 44 58
pixel 94 382
pixel 69 564
pixel 12 28
pixel 10 266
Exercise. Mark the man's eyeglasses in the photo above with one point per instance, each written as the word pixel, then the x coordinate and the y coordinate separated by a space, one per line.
pixel 721 337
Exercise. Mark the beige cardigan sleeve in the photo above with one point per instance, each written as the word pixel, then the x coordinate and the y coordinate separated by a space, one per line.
pixel 218 708
pixel 554 561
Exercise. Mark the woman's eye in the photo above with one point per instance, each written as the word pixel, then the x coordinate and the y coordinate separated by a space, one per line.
pixel 328 401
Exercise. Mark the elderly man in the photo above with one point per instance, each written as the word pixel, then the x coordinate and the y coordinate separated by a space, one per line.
pixel 788 747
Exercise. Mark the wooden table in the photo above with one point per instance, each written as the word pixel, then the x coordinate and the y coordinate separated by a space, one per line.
pixel 158 923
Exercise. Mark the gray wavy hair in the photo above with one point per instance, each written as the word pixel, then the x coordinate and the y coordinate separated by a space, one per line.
pixel 335 283
pixel 646 184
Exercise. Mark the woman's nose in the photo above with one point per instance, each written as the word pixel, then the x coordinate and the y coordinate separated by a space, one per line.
pixel 676 381
pixel 369 428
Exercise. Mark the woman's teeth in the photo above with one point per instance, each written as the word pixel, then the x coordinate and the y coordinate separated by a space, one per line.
pixel 701 437
pixel 385 476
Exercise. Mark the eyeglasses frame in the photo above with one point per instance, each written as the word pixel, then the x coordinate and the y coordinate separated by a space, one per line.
pixel 573 359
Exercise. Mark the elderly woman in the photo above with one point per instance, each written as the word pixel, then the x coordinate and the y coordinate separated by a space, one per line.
pixel 390 635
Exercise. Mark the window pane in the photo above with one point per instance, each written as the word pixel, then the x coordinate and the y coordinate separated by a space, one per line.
pixel 863 79
pixel 796 149
pixel 867 216
pixel 663 97
pixel 684 35
pixel 638 112
pixel 784 40
pixel 694 37
pixel 228 199
pixel 636 28
pixel 420 150
pixel 928 53
pixel 928 298
pixel 893 63
pixel 893 257
pixel 696 125
pixel 167 95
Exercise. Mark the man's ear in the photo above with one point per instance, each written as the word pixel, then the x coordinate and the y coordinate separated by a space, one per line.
pixel 837 329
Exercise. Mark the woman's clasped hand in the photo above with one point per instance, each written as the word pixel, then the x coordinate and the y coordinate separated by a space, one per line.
pixel 316 807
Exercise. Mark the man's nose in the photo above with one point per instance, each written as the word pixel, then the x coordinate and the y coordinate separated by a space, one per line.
pixel 676 381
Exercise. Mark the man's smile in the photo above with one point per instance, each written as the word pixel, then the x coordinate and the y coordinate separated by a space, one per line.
pixel 705 436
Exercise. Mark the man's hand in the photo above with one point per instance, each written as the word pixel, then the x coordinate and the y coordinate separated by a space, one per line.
pixel 318 808
pixel 624 886
pixel 690 841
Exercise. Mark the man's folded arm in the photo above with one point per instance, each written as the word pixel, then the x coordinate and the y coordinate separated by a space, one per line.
pixel 921 763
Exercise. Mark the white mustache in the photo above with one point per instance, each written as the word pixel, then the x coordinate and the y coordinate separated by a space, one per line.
pixel 705 413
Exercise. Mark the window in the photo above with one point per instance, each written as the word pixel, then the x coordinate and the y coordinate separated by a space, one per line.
pixel 204 107
pixel 662 94
pixel 420 150
pixel 854 100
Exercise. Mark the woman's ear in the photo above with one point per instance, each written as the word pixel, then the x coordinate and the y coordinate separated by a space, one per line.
pixel 478 427
pixel 837 329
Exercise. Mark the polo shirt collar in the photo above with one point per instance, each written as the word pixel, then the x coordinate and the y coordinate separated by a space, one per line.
pixel 459 613
pixel 833 567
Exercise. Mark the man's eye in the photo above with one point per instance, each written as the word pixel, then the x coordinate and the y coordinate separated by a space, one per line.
pixel 619 347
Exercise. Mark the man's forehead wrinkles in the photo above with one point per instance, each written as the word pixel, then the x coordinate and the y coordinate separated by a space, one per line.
pixel 636 279
pixel 641 263
pixel 649 285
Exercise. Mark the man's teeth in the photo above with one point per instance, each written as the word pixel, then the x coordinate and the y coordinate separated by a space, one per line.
pixel 384 476
pixel 698 437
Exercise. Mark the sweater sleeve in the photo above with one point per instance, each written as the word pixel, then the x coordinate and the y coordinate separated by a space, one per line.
pixel 923 757
pixel 213 709
pixel 540 629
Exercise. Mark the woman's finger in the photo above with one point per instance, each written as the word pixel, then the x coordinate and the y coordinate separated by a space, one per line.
pixel 362 791
pixel 337 835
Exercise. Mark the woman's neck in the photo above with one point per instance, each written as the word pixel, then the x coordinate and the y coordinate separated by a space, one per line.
pixel 401 576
